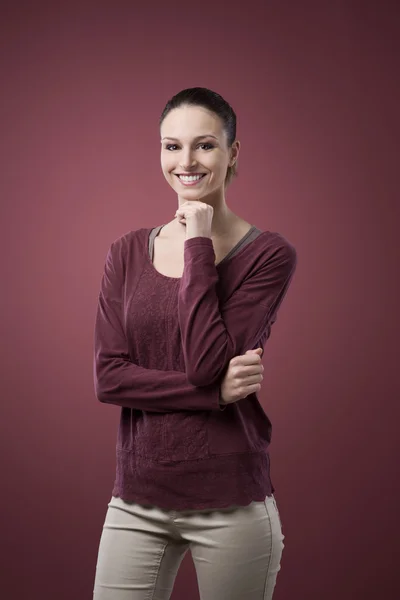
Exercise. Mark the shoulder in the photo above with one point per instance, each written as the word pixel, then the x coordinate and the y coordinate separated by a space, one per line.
pixel 127 250
pixel 274 246
pixel 129 240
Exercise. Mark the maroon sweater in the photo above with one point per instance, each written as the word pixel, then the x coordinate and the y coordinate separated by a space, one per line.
pixel 161 348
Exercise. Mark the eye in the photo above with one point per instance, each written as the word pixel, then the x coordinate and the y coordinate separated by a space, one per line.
pixel 169 146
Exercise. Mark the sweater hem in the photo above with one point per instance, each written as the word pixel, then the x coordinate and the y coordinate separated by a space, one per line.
pixel 217 482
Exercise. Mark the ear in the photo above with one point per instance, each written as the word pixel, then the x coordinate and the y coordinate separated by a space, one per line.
pixel 234 152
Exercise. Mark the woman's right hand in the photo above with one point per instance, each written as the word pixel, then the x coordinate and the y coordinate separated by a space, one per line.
pixel 243 376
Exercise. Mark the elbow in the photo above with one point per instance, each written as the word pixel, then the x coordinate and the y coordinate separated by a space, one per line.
pixel 104 386
pixel 102 394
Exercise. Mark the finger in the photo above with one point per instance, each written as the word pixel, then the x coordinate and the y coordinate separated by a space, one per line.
pixel 246 369
pixel 249 371
pixel 249 358
pixel 253 379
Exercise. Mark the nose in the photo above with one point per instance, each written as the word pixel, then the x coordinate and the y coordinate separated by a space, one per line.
pixel 186 161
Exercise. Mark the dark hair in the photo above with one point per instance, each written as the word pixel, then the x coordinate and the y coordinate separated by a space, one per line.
pixel 200 96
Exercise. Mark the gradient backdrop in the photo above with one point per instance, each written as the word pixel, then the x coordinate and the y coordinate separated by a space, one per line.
pixel 316 91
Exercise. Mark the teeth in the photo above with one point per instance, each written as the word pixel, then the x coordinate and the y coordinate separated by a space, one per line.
pixel 190 178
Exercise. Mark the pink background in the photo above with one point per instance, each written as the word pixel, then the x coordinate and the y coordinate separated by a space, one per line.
pixel 315 88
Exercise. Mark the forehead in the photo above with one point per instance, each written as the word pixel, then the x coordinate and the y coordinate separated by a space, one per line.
pixel 187 122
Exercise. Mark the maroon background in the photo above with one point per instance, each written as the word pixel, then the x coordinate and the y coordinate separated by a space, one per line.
pixel 315 88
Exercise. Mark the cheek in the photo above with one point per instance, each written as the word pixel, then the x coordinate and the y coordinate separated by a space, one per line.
pixel 167 164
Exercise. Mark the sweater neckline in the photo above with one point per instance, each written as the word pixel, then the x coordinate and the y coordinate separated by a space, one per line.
pixel 225 259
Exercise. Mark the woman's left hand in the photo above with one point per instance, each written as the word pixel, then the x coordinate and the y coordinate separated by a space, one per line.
pixel 197 216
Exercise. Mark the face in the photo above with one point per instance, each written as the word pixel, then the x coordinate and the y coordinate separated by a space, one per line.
pixel 193 141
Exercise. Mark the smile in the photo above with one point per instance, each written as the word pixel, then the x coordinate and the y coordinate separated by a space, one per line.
pixel 190 180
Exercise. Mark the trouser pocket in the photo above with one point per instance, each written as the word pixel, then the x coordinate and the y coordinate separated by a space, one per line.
pixel 277 510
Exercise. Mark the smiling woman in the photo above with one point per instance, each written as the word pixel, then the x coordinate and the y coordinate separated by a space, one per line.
pixel 203 125
pixel 184 312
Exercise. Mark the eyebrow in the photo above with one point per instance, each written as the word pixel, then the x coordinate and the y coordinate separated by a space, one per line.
pixel 199 137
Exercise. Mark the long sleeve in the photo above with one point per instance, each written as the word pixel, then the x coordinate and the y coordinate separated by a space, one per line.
pixel 211 334
pixel 117 380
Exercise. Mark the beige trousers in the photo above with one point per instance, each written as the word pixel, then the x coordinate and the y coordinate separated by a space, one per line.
pixel 236 551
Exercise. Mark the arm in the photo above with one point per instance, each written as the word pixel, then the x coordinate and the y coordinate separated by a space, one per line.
pixel 213 335
pixel 117 380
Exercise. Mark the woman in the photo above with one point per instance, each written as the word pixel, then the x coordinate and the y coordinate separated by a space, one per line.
pixel 184 312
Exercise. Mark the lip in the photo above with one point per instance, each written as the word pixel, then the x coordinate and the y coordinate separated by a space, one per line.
pixel 191 183
pixel 188 174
